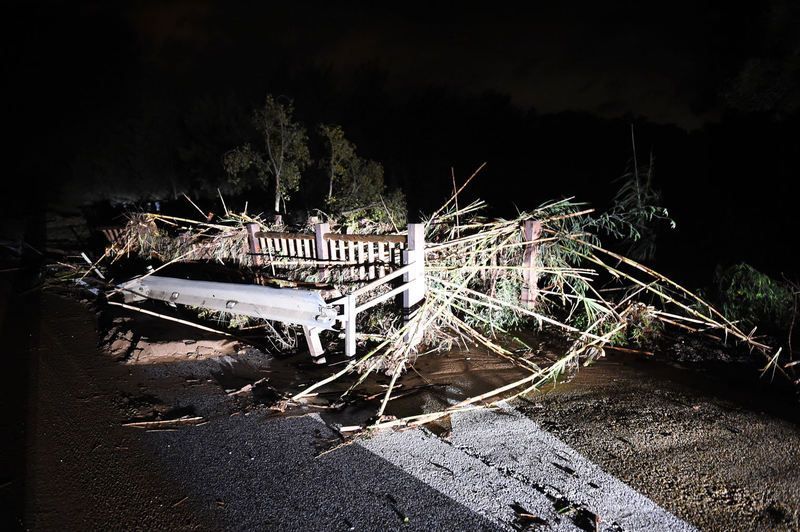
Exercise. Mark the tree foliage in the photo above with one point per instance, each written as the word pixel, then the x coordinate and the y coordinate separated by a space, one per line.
pixel 356 187
pixel 284 156
pixel 636 210
pixel 340 154
pixel 755 298
pixel 210 125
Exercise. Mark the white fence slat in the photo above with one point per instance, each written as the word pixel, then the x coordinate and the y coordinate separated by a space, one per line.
pixel 362 270
pixel 381 259
pixel 371 260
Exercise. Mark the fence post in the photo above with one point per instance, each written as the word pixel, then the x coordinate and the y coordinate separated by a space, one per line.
pixel 254 244
pixel 532 229
pixel 413 296
pixel 320 230
pixel 350 327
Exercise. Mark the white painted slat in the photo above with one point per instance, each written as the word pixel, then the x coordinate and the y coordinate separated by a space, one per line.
pixel 371 260
pixel 362 270
pixel 381 258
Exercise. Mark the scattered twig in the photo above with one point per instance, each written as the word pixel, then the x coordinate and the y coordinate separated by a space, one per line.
pixel 165 423
pixel 93 266
pixel 180 502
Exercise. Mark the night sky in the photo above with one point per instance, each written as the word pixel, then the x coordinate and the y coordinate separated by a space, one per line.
pixel 104 95
pixel 599 59
pixel 668 62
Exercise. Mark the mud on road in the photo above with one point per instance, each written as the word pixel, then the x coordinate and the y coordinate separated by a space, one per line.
pixel 708 447
pixel 702 441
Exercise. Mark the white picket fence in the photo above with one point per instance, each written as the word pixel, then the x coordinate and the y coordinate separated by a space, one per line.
pixel 372 256
pixel 378 259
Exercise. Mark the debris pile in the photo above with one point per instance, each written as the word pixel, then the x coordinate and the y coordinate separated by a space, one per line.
pixel 485 278
pixel 595 297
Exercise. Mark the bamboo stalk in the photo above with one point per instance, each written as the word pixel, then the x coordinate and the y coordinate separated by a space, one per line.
pixel 164 423
pixel 396 374
pixel 169 318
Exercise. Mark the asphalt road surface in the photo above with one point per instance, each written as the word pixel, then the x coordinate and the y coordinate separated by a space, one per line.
pixel 524 466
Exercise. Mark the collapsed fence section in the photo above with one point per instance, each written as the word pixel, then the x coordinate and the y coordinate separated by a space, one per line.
pixel 379 259
pixel 355 271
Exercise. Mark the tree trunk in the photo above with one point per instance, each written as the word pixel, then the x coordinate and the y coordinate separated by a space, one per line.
pixel 277 193
pixel 330 182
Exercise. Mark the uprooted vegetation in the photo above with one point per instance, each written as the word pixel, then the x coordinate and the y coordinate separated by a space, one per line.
pixel 594 297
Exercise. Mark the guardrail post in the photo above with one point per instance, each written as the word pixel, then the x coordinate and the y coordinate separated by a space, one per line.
pixel 415 254
pixel 531 231
pixel 314 344
pixel 254 244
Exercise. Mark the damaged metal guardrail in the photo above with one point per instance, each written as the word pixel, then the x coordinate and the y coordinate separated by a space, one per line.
pixel 288 305
pixel 297 306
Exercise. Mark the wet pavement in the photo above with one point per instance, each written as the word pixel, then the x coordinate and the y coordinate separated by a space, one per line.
pixel 713 448
pixel 630 444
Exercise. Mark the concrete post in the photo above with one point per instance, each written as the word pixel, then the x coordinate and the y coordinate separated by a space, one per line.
pixel 320 230
pixel 314 344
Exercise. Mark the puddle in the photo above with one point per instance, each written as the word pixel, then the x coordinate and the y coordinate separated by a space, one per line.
pixel 435 382
pixel 737 385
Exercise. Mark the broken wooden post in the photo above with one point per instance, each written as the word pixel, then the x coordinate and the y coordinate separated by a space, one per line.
pixel 254 244
pixel 531 230
pixel 320 230
pixel 415 294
